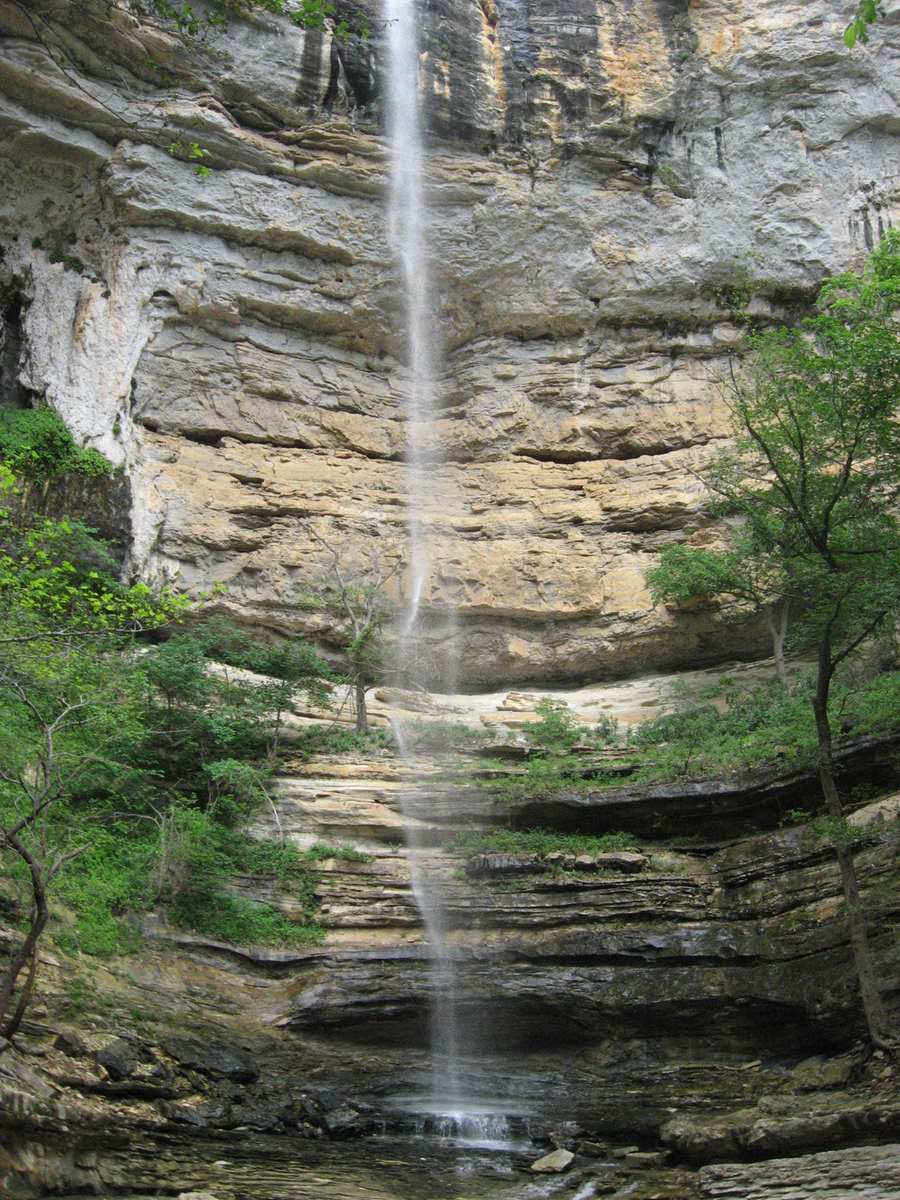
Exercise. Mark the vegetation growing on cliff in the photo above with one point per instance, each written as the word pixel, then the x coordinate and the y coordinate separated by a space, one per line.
pixel 812 482
pixel 128 760
pixel 35 442
pixel 867 13
pixel 355 594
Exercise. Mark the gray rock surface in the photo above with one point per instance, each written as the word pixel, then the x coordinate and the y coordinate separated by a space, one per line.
pixel 865 1173
pixel 554 1163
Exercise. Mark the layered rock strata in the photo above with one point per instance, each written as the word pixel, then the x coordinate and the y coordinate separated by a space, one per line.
pixel 745 939
pixel 699 997
pixel 599 175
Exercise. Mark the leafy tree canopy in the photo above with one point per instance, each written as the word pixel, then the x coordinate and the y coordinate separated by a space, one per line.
pixel 813 481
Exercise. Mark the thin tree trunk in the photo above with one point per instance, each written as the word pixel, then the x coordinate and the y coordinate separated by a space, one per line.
pixel 870 995
pixel 778 626
pixel 24 996
pixel 26 953
pixel 362 712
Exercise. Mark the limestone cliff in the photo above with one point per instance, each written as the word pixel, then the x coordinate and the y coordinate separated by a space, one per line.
pixel 600 173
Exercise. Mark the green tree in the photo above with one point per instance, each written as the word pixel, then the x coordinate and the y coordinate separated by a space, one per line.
pixel 68 703
pixel 356 595
pixel 65 708
pixel 283 667
pixel 813 479
pixel 686 574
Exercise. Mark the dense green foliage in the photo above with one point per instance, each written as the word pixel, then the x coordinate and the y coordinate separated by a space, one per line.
pixel 817 455
pixel 733 727
pixel 557 728
pixel 737 728
pixel 128 763
pixel 813 481
pixel 684 574
pixel 192 23
pixel 35 442
pixel 732 730
pixel 323 739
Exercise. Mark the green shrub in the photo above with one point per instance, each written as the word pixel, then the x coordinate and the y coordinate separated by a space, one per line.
pixel 240 922
pixel 35 443
pixel 320 851
pixel 329 740
pixel 558 728
pixel 873 707
pixel 606 731
pixel 751 727
pixel 110 879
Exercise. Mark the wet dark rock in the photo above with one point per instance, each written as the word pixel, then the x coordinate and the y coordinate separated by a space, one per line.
pixel 200 1115
pixel 126 1089
pixel 268 1112
pixel 345 1122
pixel 118 1059
pixel 307 1106
pixel 71 1044
pixel 214 1059
pixel 504 864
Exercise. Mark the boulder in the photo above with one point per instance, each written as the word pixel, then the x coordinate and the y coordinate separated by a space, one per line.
pixel 345 1122
pixel 817 1073
pixel 200 1115
pixel 503 864
pixel 629 862
pixel 118 1059
pixel 560 860
pixel 553 1164
pixel 211 1058
pixel 71 1044
pixel 593 1149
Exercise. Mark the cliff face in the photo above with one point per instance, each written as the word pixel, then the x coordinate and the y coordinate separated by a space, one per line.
pixel 600 175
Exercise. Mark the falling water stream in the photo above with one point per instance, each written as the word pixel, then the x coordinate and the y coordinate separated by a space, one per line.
pixel 407 216
pixel 446 1110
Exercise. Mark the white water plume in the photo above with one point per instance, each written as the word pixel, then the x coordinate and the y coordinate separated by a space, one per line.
pixel 443 1018
pixel 408 235
pixel 407 223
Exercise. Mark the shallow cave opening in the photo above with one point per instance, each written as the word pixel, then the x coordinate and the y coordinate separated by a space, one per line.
pixel 724 1028
pixel 13 304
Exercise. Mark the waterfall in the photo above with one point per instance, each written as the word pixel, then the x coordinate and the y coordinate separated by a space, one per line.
pixel 407 214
